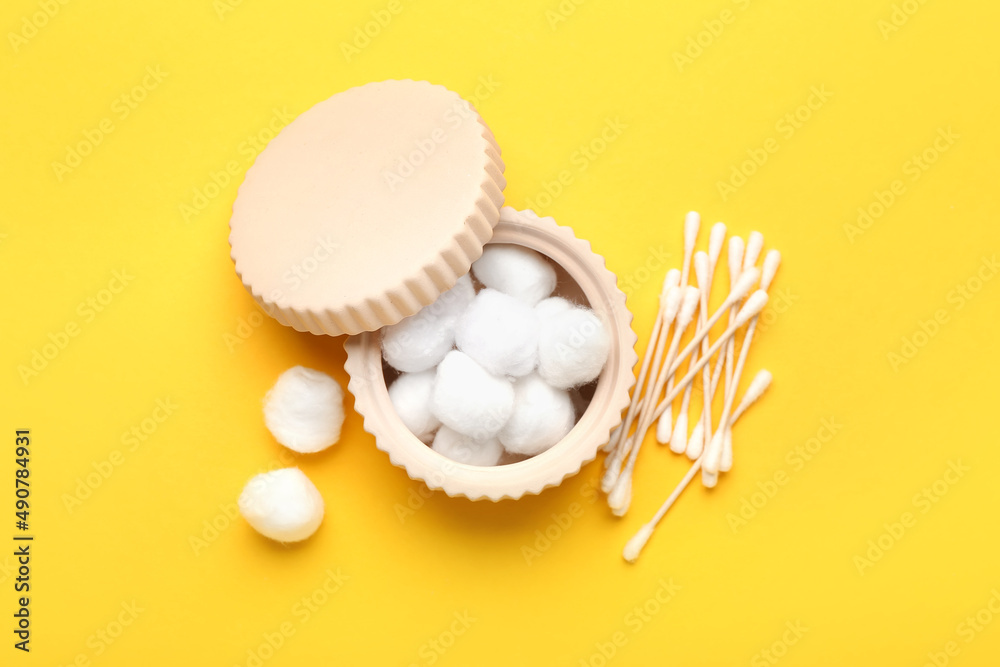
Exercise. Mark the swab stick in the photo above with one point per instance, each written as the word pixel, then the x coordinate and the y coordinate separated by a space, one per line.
pixel 671 280
pixel 671 303
pixel 635 545
pixel 704 423
pixel 679 438
pixel 754 304
pixel 771 263
pixel 621 495
pixel 715 455
pixel 612 479
pixel 690 236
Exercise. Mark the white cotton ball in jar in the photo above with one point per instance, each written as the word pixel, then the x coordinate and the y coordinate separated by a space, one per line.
pixel 420 341
pixel 542 416
pixel 469 399
pixel 500 333
pixel 552 306
pixel 304 410
pixel 516 271
pixel 283 505
pixel 573 346
pixel 410 395
pixel 463 449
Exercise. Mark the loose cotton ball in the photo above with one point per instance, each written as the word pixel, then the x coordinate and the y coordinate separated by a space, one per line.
pixel 463 449
pixel 500 333
pixel 282 504
pixel 517 271
pixel 420 341
pixel 304 410
pixel 542 416
pixel 411 397
pixel 469 399
pixel 573 346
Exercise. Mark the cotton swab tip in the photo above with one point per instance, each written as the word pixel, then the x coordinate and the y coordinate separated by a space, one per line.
pixel 709 479
pixel 610 477
pixel 710 460
pixel 678 441
pixel 716 239
pixel 672 279
pixel 754 304
pixel 735 258
pixel 635 545
pixel 758 386
pixel 664 428
pixel 702 271
pixel 755 243
pixel 672 303
pixel 771 262
pixel 692 297
pixel 745 282
pixel 621 496
pixel 692 223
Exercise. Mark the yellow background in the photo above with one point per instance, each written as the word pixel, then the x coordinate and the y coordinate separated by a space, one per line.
pixel 559 73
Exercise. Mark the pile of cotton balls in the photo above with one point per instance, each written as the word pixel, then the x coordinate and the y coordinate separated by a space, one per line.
pixel 304 410
pixel 489 373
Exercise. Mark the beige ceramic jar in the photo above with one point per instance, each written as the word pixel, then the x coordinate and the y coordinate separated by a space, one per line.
pixel 371 204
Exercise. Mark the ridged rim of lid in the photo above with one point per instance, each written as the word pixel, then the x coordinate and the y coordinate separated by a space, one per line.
pixel 418 285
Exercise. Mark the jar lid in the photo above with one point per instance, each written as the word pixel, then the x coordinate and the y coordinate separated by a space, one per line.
pixel 367 207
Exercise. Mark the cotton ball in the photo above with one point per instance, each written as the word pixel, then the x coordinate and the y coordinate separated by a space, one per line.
pixel 517 271
pixel 304 410
pixel 411 397
pixel 463 449
pixel 420 341
pixel 572 347
pixel 542 416
pixel 552 306
pixel 282 504
pixel 453 302
pixel 500 333
pixel 467 398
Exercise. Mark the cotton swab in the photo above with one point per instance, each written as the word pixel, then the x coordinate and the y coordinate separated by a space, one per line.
pixel 754 304
pixel 679 438
pixel 704 424
pixel 613 477
pixel 690 237
pixel 635 545
pixel 670 305
pixel 622 493
pixel 771 263
pixel 671 280
pixel 736 250
pixel 713 458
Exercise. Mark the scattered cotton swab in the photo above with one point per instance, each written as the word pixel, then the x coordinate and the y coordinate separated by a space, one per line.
pixel 282 504
pixel 714 453
pixel 304 410
pixel 691 226
pixel 670 282
pixel 704 423
pixel 670 304
pixel 753 305
pixel 621 486
pixel 635 545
